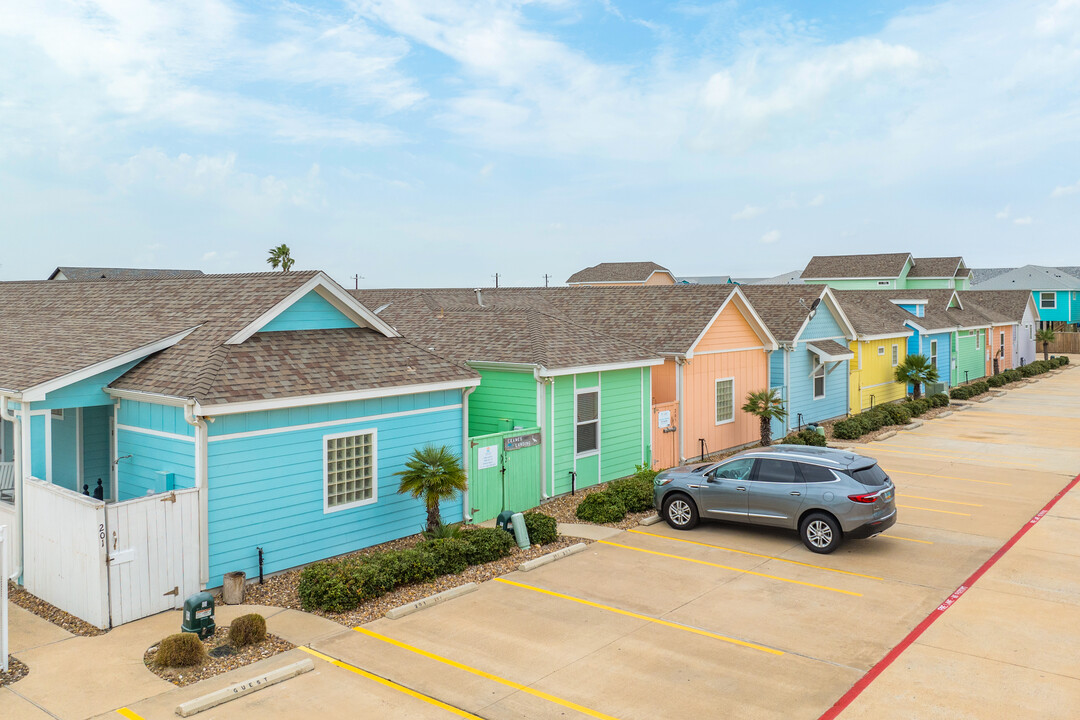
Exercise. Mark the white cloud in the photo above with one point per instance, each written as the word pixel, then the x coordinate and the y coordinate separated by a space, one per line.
pixel 748 212
pixel 1063 190
pixel 207 256
pixel 816 201
pixel 1026 220
pixel 770 237
pixel 1004 213
pixel 487 169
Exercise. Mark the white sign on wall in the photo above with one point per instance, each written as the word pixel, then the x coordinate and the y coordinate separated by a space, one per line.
pixel 663 419
pixel 487 457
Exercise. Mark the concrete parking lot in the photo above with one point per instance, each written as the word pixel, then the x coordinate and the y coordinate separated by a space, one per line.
pixel 727 621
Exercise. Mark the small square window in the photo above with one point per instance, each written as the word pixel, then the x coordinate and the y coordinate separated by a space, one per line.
pixel 725 400
pixel 881 350
pixel 349 470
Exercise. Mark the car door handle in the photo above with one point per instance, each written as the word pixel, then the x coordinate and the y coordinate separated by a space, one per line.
pixel 741 488
pixel 795 492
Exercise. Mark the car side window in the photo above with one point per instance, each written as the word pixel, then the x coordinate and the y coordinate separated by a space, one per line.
pixel 816 473
pixel 776 471
pixel 735 470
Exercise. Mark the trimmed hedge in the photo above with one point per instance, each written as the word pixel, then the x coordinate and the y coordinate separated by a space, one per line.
pixel 341 585
pixel 543 529
pixel 963 392
pixel 806 436
pixel 635 492
pixel 881 416
pixel 180 650
pixel 601 507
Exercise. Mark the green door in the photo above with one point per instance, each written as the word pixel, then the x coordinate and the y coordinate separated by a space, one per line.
pixel 504 472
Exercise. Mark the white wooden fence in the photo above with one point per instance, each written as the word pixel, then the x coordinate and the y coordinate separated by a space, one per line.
pixel 7 517
pixel 3 600
pixel 64 550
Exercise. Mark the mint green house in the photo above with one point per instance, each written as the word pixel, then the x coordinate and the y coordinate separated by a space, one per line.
pixel 559 406
pixel 887 271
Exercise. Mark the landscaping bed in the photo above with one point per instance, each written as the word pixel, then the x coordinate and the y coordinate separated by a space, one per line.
pixel 220 657
pixel 17 670
pixel 19 596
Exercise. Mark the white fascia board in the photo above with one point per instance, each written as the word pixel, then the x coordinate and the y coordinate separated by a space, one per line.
pixel 559 372
pixel 148 397
pixel 333 294
pixel 506 366
pixel 885 336
pixel 746 309
pixel 925 301
pixel 327 398
pixel 37 392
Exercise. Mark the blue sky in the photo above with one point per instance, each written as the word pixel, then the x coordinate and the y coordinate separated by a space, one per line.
pixel 436 143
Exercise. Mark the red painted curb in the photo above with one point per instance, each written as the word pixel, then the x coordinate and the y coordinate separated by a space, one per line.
pixel 890 658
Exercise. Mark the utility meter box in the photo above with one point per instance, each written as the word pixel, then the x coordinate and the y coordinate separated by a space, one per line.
pixel 199 615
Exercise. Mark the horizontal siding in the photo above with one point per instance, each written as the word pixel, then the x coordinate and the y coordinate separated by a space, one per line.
pixel 151 456
pixel 801 390
pixel 502 394
pixel 65 451
pixel 311 312
pixel 562 433
pixel 268 491
pixel 970 358
pixel 877 373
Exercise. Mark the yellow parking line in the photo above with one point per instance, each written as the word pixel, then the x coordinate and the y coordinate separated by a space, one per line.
pixel 916 447
pixel 130 715
pixel 945 512
pixel 948 477
pixel 897 537
pixel 486 675
pixel 728 567
pixel 744 552
pixel 946 457
pixel 950 502
pixel 638 616
pixel 391 684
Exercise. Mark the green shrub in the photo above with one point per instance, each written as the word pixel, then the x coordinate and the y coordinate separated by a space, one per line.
pixel 898 414
pixel 329 585
pixel 806 436
pixel 1012 375
pixel 874 419
pixel 959 393
pixel 601 507
pixel 450 555
pixel 981 386
pixel 1064 360
pixel 441 532
pixel 542 528
pixel 247 630
pixel 646 473
pixel 939 400
pixel 180 650
pixel 850 429
pixel 996 381
pixel 636 493
pixel 488 544
pixel 1028 370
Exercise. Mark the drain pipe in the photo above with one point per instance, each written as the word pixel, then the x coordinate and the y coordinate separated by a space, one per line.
pixel 201 473
pixel 466 511
pixel 16 440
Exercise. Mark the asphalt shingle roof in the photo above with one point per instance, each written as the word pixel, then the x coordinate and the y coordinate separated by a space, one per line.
pixel 936 267
pixel 884 265
pixel 783 308
pixel 94 273
pixel 617 272
pixel 1030 277
pixel 1002 306
pixel 871 312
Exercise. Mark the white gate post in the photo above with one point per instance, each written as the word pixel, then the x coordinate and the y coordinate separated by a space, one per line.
pixel 3 600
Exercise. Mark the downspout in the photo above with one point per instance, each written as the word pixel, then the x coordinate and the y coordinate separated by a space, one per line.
pixel 16 440
pixel 541 414
pixel 201 478
pixel 680 360
pixel 466 511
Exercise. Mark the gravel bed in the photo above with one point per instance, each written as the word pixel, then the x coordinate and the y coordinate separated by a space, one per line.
pixel 53 614
pixel 17 670
pixel 281 590
pixel 227 660
pixel 563 508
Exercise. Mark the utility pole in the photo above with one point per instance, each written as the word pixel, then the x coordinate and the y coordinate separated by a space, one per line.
pixel 356 280
pixel 496 276
pixel 546 278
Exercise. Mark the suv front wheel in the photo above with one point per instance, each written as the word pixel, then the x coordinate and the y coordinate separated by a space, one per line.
pixel 820 533
pixel 680 512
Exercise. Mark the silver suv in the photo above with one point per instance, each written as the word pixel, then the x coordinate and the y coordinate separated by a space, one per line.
pixel 825 494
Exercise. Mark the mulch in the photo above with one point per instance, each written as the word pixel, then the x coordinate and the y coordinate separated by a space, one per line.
pixel 17 670
pixel 221 658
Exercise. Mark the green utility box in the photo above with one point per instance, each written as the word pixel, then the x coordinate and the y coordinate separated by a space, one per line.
pixel 199 615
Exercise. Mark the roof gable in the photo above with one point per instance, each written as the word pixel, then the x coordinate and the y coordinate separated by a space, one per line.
pixel 938 267
pixel 310 312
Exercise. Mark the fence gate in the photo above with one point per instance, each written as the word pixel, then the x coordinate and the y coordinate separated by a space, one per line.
pixel 504 472
pixel 665 435
pixel 153 545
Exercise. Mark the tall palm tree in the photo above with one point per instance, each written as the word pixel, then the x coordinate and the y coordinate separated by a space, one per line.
pixel 435 474
pixel 279 257
pixel 1045 336
pixel 916 369
pixel 767 405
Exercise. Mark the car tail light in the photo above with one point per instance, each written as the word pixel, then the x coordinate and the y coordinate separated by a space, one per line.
pixel 868 498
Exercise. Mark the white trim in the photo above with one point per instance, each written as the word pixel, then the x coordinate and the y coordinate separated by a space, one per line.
pixel 541 422
pixel 577 422
pixel 327 398
pixel 607 367
pixel 824 383
pixel 551 436
pixel 331 292
pixel 716 409
pixel 330 423
pixel 114 452
pixel 1052 294
pixel 374 470
pixel 744 306
pixel 828 356
pixel 910 302
pixel 877 385
pixel 156 433
pixel 37 392
pixel 48 446
pixel 881 351
pixel 641 415
pixel 886 336
pixel 933 351
pixel 141 396
pixel 504 366
pixel 79 447
pixel 732 350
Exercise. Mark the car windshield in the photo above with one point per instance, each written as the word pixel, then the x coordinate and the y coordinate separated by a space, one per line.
pixel 872 476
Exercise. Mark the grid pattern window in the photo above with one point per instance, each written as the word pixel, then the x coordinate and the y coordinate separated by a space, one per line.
pixel 350 470
pixel 881 350
pixel 1048 301
pixel 933 353
pixel 819 382
pixel 588 422
pixel 725 401
pixel 895 355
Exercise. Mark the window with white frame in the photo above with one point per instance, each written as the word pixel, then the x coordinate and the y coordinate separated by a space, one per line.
pixel 349 470
pixel 725 400
pixel 1002 343
pixel 895 355
pixel 57 413
pixel 819 382
pixel 933 353
pixel 1047 301
pixel 588 422
pixel 881 350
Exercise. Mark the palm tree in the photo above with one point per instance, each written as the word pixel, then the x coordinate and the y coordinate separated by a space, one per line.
pixel 767 405
pixel 435 474
pixel 1045 336
pixel 916 369
pixel 279 257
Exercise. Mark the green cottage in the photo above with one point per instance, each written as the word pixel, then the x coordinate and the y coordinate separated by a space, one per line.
pixel 559 406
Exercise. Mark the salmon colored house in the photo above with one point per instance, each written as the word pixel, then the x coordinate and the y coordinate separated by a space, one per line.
pixel 622 274
pixel 716 352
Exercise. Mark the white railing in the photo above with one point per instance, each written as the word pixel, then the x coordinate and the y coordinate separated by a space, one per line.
pixel 7 482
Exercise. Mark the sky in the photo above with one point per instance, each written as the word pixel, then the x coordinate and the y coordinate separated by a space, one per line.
pixel 435 143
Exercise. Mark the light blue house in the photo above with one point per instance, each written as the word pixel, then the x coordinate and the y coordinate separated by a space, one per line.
pixel 276 405
pixel 810 369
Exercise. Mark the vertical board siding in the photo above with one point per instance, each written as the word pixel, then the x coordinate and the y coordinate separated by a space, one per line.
pixel 877 374
pixel 64 551
pixel 663 382
pixel 730 331
pixel 151 416
pixel 749 368
pixel 311 312
pixel 944 355
pixel 85 393
pixel 7 517
pixel 37 445
pixel 502 394
pixel 65 450
pixel 621 407
pixel 267 491
pixel 152 456
pixel 95 447
pixel 7 441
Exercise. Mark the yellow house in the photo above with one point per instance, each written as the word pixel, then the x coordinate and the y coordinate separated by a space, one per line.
pixel 880 345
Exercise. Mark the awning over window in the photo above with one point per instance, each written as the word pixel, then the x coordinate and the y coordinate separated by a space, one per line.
pixel 830 350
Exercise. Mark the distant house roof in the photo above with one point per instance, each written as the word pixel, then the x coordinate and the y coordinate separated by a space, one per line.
pixel 794 277
pixel 717 280
pixel 872 312
pixel 53 331
pixel 619 272
pixel 1030 277
pixel 938 267
pixel 784 308
pixel 1005 306
pixel 828 267
pixel 980 275
pixel 95 273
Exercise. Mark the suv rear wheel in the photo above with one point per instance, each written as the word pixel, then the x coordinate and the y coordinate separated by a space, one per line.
pixel 820 533
pixel 680 512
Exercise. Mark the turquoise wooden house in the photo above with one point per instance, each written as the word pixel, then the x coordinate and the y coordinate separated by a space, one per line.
pixel 584 397
pixel 1057 292
pixel 810 369
pixel 246 423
